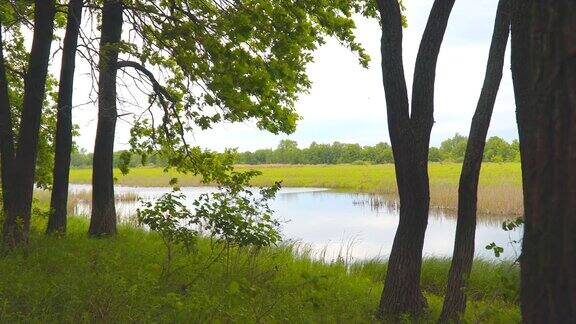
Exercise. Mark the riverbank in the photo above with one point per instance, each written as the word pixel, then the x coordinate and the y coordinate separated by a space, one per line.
pixel 76 279
pixel 500 190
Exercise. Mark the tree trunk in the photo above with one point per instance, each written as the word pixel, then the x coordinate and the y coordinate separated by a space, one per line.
pixel 59 198
pixel 410 139
pixel 455 300
pixel 17 222
pixel 103 220
pixel 543 69
pixel 6 135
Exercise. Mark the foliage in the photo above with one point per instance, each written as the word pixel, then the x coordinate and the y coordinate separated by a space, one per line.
pixel 216 66
pixel 495 248
pixel 235 216
pixel 16 60
pixel 172 221
pixel 508 226
pixel 496 150
pixel 288 152
pixel 232 215
pixel 238 217
pixel 453 150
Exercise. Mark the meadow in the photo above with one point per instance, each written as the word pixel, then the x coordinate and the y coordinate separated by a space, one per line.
pixel 500 190
pixel 120 279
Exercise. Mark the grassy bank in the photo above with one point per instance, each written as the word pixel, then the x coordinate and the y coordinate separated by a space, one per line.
pixel 76 279
pixel 500 189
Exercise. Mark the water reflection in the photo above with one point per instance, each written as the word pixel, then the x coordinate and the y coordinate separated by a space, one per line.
pixel 343 225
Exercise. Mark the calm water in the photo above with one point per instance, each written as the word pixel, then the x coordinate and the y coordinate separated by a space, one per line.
pixel 336 224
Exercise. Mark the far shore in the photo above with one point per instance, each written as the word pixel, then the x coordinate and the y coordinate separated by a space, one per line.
pixel 500 190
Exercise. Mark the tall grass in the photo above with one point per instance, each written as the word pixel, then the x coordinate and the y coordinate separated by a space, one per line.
pixel 82 198
pixel 500 190
pixel 77 279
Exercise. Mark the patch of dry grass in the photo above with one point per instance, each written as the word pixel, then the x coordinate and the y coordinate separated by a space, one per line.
pixel 81 197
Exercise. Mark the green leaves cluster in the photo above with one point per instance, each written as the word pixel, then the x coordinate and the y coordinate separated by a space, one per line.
pixel 240 216
pixel 166 216
pixel 228 61
pixel 233 215
pixel 507 226
pixel 498 250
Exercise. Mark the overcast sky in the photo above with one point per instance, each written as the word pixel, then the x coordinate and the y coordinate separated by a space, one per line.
pixel 346 102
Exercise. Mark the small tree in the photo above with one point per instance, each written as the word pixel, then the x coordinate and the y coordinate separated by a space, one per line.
pixel 166 216
pixel 233 215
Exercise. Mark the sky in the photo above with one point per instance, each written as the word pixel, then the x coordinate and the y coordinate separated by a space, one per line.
pixel 346 102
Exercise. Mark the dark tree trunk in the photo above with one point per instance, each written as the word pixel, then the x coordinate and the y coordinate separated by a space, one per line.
pixel 59 199
pixel 410 138
pixel 103 220
pixel 6 135
pixel 455 300
pixel 17 222
pixel 544 73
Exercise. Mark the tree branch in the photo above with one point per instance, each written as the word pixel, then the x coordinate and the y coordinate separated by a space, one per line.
pixel 422 114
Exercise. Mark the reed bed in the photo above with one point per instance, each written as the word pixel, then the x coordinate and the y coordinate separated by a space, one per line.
pixel 77 197
pixel 494 199
pixel 499 193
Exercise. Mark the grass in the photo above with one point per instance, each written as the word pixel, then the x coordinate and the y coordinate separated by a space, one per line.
pixel 77 279
pixel 500 190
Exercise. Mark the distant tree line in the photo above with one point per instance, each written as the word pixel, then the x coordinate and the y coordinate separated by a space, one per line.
pixel 496 150
pixel 82 159
pixel 288 152
pixel 450 150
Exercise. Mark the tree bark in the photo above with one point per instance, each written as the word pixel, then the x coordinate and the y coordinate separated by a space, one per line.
pixel 455 300
pixel 543 69
pixel 6 135
pixel 410 139
pixel 17 221
pixel 63 143
pixel 103 220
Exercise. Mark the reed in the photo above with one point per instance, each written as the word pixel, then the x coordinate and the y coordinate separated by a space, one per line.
pixel 499 193
pixel 42 197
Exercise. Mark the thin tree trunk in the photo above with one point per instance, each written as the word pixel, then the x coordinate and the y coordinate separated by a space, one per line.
pixel 544 73
pixel 455 300
pixel 410 138
pixel 63 144
pixel 103 220
pixel 17 221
